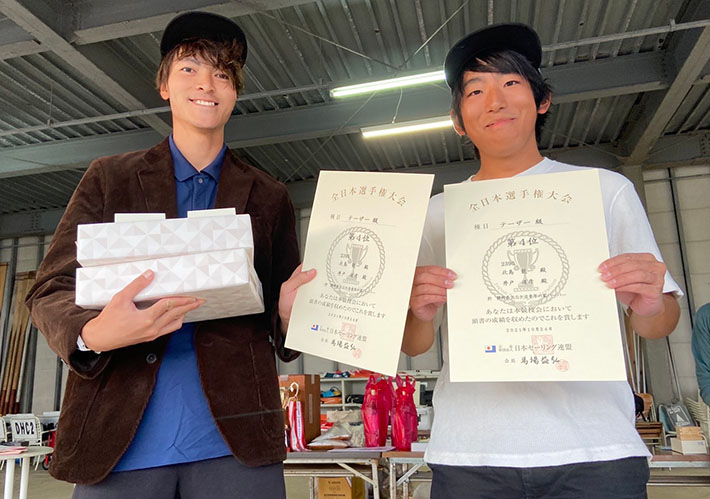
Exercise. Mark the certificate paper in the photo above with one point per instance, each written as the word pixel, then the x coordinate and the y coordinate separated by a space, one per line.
pixel 528 303
pixel 363 240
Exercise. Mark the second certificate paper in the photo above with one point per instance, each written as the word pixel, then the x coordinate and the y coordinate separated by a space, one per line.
pixel 363 240
pixel 528 303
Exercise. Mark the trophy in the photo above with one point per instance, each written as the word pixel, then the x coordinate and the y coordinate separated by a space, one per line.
pixel 524 261
pixel 355 254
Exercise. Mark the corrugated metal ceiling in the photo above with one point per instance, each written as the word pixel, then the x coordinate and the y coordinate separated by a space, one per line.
pixel 298 52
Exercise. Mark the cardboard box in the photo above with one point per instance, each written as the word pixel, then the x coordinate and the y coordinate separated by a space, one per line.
pixel 226 279
pixel 109 243
pixel 419 446
pixel 309 396
pixel 688 446
pixel 341 488
pixel 689 433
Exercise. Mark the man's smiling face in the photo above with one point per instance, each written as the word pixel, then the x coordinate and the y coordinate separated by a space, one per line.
pixel 498 113
pixel 201 96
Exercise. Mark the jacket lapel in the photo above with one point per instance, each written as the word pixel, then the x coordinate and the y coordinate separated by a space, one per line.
pixel 235 183
pixel 157 180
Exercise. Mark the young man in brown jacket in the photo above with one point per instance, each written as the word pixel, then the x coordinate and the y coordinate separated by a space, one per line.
pixel 155 408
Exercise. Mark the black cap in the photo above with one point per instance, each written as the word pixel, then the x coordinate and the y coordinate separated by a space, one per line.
pixel 512 36
pixel 201 26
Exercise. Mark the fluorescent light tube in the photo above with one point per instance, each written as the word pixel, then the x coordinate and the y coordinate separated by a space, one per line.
pixel 406 127
pixel 403 81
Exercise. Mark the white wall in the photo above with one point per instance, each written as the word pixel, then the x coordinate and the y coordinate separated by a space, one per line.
pixel 46 370
pixel 46 359
pixel 693 206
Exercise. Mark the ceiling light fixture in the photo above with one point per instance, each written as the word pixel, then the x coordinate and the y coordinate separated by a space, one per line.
pixel 406 127
pixel 403 81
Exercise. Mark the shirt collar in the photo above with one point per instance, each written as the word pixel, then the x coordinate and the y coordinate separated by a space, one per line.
pixel 184 169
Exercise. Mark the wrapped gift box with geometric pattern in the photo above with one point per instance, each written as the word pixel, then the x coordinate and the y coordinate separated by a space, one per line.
pixel 106 243
pixel 208 255
pixel 225 279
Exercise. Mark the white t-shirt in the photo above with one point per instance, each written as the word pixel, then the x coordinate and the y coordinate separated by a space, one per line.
pixel 546 423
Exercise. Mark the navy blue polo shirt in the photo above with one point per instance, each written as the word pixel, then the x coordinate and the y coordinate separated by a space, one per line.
pixel 177 426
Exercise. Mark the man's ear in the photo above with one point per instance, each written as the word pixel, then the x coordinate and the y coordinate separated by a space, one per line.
pixel 164 93
pixel 457 125
pixel 544 105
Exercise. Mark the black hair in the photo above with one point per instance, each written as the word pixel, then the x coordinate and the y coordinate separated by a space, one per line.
pixel 505 62
pixel 227 56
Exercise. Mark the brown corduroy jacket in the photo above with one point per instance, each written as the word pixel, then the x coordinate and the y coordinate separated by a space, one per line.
pixel 107 393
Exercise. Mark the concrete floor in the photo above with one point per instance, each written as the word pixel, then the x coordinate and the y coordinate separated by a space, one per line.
pixel 43 486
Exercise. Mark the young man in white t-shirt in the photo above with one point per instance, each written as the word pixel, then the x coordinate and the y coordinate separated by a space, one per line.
pixel 524 440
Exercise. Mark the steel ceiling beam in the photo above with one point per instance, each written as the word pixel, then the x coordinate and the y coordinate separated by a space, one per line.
pixel 34 16
pixel 102 20
pixel 688 56
pixel 669 152
pixel 622 75
pixel 644 73
pixel 15 42
pixel 77 153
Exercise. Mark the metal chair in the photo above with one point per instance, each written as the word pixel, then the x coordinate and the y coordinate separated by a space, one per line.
pixel 3 430
pixel 3 437
pixel 27 428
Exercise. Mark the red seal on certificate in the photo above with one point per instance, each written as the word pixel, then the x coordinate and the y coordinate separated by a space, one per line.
pixel 563 365
pixel 357 353
pixel 542 344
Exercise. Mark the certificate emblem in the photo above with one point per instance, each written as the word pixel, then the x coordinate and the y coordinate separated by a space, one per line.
pixel 355 263
pixel 525 268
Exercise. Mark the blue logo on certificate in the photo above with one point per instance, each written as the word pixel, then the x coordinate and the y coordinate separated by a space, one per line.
pixel 314 327
pixel 490 349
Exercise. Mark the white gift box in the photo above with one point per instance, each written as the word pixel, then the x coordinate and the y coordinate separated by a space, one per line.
pixel 425 418
pixel 108 243
pixel 225 279
pixel 688 446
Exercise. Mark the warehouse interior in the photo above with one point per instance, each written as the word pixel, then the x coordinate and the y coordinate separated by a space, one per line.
pixel 631 93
